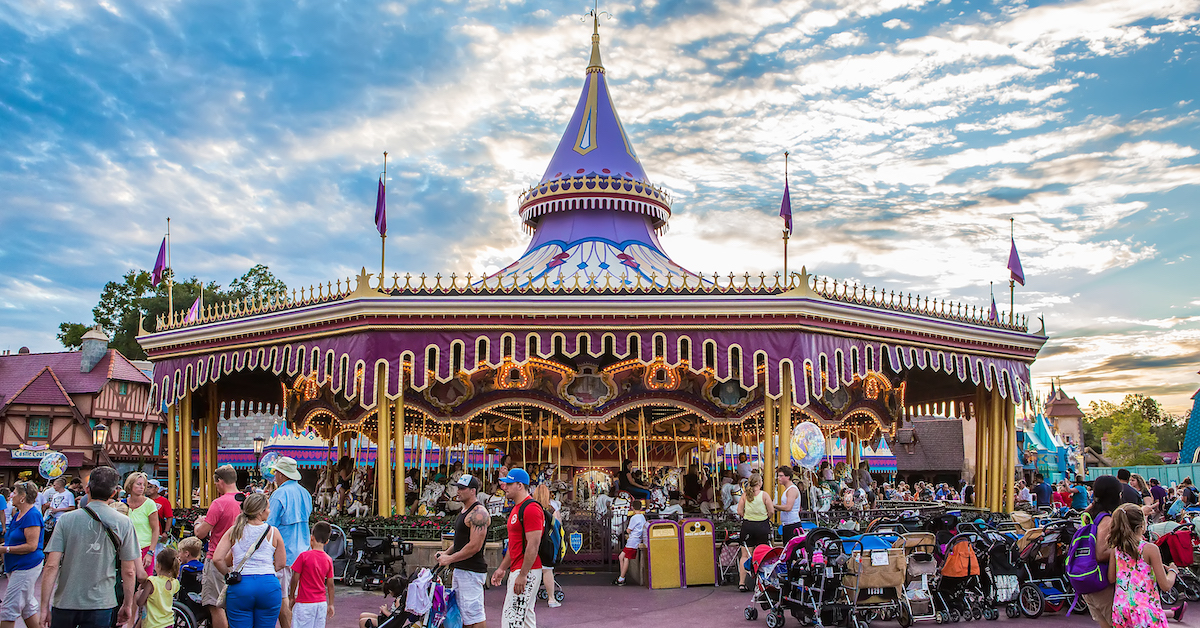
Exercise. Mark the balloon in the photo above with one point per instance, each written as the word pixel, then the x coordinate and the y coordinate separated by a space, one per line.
pixel 266 466
pixel 808 445
pixel 53 465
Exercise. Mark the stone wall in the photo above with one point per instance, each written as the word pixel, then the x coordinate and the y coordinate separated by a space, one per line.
pixel 239 432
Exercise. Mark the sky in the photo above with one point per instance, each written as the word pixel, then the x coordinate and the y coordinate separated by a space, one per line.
pixel 917 129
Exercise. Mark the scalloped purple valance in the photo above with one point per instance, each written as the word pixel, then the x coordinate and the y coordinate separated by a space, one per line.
pixel 736 353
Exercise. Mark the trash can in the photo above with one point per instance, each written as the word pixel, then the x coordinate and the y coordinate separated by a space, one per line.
pixel 663 554
pixel 699 552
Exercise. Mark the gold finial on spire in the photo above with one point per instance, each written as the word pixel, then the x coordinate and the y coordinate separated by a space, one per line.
pixel 595 64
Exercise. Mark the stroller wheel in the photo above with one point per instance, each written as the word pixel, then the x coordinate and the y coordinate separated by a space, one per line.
pixel 1169 597
pixel 954 616
pixel 939 617
pixel 542 594
pixel 559 595
pixel 1012 611
pixel 977 613
pixel 991 614
pixel 1032 601
pixel 775 619
pixel 904 616
pixel 751 613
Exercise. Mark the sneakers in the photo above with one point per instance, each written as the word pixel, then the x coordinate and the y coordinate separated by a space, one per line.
pixel 555 603
pixel 1179 611
pixel 619 582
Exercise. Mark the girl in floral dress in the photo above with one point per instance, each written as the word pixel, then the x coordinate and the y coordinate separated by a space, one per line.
pixel 1138 572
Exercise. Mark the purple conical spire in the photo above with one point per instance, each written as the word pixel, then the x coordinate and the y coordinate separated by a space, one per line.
pixel 595 216
pixel 595 141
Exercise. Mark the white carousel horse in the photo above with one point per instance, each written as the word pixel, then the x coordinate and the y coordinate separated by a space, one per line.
pixel 324 498
pixel 431 495
pixel 358 509
pixel 359 484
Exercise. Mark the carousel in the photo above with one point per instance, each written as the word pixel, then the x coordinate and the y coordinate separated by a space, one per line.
pixel 592 348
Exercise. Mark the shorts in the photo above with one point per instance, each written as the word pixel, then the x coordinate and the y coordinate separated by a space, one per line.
pixel 285 580
pixel 630 552
pixel 755 533
pixel 211 584
pixel 518 607
pixel 21 598
pixel 468 587
pixel 1100 605
pixel 309 614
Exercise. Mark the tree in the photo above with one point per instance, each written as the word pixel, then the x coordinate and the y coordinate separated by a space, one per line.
pixel 1137 430
pixel 123 304
pixel 256 282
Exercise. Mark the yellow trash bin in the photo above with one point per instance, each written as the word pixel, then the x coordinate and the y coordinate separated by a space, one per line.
pixel 699 552
pixel 663 554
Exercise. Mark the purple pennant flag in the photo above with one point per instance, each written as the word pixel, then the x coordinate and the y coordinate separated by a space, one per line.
pixel 1014 264
pixel 160 265
pixel 785 209
pixel 381 209
pixel 193 313
pixel 994 314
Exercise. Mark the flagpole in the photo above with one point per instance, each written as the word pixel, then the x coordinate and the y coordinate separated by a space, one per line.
pixel 383 236
pixel 786 234
pixel 1012 235
pixel 170 288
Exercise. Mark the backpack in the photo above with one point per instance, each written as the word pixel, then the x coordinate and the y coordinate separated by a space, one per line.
pixel 546 550
pixel 554 530
pixel 1086 573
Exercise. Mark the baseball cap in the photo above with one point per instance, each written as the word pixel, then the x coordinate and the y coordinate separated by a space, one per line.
pixel 469 481
pixel 154 482
pixel 516 476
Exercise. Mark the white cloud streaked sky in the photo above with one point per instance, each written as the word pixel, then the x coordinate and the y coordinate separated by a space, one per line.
pixel 917 129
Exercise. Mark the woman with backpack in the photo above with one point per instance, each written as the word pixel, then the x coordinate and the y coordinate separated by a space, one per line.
pixel 1106 498
pixel 541 495
pixel 254 550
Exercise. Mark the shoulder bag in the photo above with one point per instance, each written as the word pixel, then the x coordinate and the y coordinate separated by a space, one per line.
pixel 112 536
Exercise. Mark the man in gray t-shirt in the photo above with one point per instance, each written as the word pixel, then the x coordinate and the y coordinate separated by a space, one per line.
pixel 86 591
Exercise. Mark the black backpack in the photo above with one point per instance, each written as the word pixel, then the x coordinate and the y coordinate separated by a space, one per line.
pixel 546 553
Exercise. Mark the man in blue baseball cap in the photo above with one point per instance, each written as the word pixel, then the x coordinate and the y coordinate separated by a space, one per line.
pixel 525 524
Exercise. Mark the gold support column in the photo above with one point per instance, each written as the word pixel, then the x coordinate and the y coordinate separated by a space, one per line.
pixel 202 459
pixel 172 455
pixel 769 440
pixel 981 414
pixel 1011 468
pixel 785 419
pixel 399 438
pixel 185 449
pixel 995 448
pixel 211 418
pixel 383 446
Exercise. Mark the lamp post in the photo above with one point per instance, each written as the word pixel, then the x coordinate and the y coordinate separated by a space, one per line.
pixel 258 449
pixel 99 437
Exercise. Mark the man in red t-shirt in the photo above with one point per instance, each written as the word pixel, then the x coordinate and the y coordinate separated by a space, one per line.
pixel 311 594
pixel 216 522
pixel 525 524
pixel 166 516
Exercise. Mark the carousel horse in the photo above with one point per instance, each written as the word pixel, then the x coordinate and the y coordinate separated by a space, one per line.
pixel 432 494
pixel 358 509
pixel 359 484
pixel 324 499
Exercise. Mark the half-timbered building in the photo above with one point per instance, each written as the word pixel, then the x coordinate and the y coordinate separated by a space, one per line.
pixel 52 401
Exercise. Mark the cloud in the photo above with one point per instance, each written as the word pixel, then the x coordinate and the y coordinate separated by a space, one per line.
pixel 914 139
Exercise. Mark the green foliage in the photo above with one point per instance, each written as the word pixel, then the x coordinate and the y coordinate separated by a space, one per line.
pixel 71 334
pixel 1137 430
pixel 123 303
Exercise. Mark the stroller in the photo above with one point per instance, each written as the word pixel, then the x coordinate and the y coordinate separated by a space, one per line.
pixel 921 570
pixel 959 593
pixel 374 557
pixel 1042 552
pixel 874 581
pixel 772 577
pixel 338 549
pixel 730 556
pixel 1001 572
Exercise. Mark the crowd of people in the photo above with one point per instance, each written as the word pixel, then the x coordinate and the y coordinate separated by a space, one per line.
pixel 101 556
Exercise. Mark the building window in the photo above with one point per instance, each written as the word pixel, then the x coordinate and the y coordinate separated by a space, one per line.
pixel 123 388
pixel 39 427
pixel 124 431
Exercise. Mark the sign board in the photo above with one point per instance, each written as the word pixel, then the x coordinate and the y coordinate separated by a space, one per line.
pixel 575 540
pixel 29 454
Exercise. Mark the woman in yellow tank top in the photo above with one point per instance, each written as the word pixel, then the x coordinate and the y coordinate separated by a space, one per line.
pixel 158 592
pixel 756 510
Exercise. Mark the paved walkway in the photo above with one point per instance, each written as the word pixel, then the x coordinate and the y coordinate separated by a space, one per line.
pixel 591 601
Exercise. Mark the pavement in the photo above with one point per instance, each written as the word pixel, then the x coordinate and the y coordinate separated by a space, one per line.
pixel 593 602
